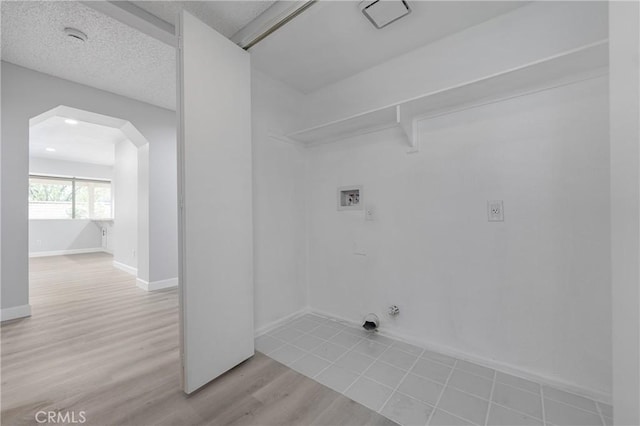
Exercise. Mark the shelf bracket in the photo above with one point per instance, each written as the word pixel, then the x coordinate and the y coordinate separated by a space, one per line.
pixel 409 126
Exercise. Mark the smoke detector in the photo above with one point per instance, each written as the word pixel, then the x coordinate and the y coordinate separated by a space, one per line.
pixel 75 34
pixel 383 12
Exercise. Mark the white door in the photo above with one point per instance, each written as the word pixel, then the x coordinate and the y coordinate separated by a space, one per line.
pixel 216 230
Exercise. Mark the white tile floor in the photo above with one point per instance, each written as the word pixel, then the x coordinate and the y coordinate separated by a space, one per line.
pixel 414 386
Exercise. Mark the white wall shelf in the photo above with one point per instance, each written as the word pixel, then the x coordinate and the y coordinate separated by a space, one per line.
pixel 568 67
pixel 366 122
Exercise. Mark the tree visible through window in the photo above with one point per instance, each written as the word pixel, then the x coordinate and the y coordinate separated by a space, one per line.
pixel 69 198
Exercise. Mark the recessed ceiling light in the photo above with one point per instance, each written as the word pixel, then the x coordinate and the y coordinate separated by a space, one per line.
pixel 50 149
pixel 71 121
pixel 75 34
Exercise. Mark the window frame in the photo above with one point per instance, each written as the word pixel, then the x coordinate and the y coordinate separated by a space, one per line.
pixel 73 181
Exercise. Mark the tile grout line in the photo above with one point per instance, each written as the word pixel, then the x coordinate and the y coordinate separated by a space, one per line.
pixel 435 406
pixel 387 386
pixel 376 359
pixel 517 411
pixel 489 402
pixel 344 392
pixel 403 393
pixel 459 390
pixel 493 386
pixel 334 363
pixel 352 349
pixel 348 349
pixel 541 394
pixel 366 369
pixel 424 350
pixel 336 360
pixel 350 326
pixel 575 407
pixel 401 380
pixel 352 383
pixel 346 330
pixel 518 388
pixel 362 375
pixel 331 363
pixel 349 329
pixel 305 351
pixel 469 394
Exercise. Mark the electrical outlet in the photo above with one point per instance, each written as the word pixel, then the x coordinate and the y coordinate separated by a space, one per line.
pixel 495 211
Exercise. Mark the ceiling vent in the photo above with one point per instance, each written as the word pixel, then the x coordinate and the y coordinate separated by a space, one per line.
pixel 75 34
pixel 383 12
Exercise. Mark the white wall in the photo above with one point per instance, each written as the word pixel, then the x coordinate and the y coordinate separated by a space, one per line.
pixel 531 293
pixel 125 195
pixel 278 203
pixel 528 34
pixel 457 278
pixel 57 236
pixel 52 167
pixel 143 254
pixel 63 235
pixel 27 93
pixel 625 208
pixel 163 203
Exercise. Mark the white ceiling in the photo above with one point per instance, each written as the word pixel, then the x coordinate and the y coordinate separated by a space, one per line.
pixel 83 142
pixel 333 40
pixel 116 58
pixel 227 17
pixel 326 43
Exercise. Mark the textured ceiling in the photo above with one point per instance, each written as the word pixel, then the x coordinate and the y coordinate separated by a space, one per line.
pixel 333 40
pixel 328 42
pixel 82 142
pixel 116 58
pixel 227 17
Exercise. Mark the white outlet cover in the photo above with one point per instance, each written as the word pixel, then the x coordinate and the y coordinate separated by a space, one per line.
pixel 495 211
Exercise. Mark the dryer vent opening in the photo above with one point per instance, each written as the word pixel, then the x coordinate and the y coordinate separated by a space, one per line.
pixel 370 322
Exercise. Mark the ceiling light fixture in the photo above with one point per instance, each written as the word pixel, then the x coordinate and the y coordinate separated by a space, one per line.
pixel 383 12
pixel 71 121
pixel 75 33
pixel 50 149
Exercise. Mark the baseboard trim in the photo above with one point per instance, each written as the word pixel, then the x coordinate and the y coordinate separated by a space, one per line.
pixel 277 323
pixel 126 268
pixel 66 252
pixel 156 285
pixel 496 365
pixel 15 312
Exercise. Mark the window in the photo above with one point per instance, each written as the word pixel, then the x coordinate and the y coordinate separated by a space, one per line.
pixel 69 198
pixel 93 199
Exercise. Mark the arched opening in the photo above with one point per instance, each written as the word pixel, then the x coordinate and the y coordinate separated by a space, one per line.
pixel 88 191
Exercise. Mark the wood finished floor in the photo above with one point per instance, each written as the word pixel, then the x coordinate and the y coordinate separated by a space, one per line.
pixel 97 343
